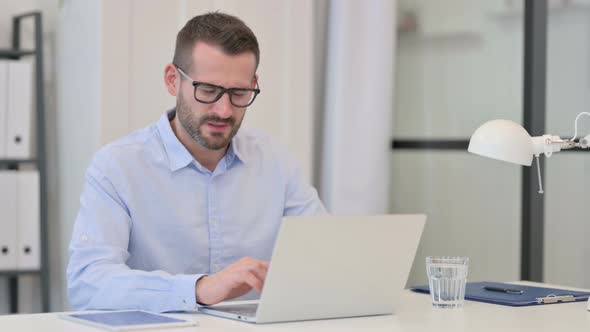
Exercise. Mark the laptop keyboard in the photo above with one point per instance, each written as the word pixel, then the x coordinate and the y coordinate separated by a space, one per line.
pixel 240 309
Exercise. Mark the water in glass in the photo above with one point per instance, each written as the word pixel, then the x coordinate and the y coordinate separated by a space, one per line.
pixel 447 278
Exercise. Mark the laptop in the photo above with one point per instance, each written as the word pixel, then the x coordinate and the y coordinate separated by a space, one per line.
pixel 332 267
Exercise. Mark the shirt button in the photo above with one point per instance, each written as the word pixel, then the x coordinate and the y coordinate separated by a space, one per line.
pixel 215 267
pixel 84 238
pixel 213 222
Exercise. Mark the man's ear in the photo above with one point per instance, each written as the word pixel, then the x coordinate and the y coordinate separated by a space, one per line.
pixel 255 81
pixel 171 79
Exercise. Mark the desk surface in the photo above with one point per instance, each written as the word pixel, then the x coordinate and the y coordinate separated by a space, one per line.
pixel 416 314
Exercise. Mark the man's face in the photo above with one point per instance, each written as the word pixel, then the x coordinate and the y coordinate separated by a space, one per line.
pixel 214 125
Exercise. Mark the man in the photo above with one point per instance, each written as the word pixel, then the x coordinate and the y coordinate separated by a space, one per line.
pixel 185 212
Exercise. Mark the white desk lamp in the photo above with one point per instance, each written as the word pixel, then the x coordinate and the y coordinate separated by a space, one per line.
pixel 508 141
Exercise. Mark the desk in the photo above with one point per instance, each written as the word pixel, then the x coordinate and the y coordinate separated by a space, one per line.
pixel 416 314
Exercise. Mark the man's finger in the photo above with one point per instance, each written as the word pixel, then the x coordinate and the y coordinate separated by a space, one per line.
pixel 259 269
pixel 254 282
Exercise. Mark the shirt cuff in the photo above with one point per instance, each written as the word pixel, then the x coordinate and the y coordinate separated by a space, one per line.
pixel 183 291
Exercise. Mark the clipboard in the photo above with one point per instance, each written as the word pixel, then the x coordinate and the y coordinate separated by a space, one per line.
pixel 531 295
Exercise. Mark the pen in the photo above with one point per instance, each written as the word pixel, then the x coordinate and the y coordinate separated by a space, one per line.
pixel 503 290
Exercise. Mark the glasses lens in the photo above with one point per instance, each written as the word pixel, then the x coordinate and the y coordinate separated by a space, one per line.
pixel 206 93
pixel 242 98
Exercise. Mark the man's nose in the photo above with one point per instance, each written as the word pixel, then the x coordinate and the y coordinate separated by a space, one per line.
pixel 223 107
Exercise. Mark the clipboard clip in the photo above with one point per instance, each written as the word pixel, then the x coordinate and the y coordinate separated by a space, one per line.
pixel 552 298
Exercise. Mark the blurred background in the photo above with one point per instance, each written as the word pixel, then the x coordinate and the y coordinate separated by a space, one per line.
pixel 376 99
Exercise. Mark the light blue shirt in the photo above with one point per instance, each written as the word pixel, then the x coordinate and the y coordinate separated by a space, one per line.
pixel 152 220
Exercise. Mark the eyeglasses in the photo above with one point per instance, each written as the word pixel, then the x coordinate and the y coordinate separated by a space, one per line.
pixel 207 93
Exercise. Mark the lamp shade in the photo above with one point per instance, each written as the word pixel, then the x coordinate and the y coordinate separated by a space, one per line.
pixel 503 140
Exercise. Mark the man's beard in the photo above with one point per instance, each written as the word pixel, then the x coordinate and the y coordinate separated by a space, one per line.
pixel 193 126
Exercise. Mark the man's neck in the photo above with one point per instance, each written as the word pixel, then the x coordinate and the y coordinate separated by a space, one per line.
pixel 206 157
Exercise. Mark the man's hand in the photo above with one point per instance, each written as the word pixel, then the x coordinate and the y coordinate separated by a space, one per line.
pixel 235 280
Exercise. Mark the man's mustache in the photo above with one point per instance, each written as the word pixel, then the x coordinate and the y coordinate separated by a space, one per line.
pixel 214 118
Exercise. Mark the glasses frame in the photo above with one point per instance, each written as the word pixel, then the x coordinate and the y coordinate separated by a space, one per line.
pixel 222 91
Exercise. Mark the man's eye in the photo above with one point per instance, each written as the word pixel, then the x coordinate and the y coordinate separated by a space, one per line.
pixel 208 90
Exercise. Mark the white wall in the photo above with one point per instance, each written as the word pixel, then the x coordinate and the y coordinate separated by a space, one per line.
pixel 79 121
pixel 29 286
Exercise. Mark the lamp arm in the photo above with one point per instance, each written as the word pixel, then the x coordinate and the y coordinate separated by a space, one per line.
pixel 566 144
pixel 576 125
pixel 547 144
pixel 584 143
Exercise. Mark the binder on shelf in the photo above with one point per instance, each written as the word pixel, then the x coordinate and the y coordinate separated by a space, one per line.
pixel 3 105
pixel 8 221
pixel 29 249
pixel 18 138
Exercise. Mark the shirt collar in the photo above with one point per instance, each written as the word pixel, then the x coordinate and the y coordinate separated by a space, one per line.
pixel 234 151
pixel 178 155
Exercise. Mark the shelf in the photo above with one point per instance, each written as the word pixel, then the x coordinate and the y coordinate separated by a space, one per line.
pixel 16 161
pixel 18 273
pixel 15 54
pixel 16 51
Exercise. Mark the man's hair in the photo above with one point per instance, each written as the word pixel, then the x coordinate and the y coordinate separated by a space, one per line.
pixel 227 31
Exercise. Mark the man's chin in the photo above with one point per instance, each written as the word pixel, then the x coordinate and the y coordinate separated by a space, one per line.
pixel 213 143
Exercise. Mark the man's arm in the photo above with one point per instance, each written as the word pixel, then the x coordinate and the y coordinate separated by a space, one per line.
pixel 97 275
pixel 301 199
